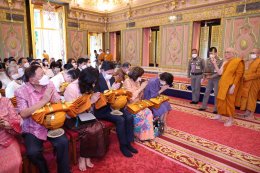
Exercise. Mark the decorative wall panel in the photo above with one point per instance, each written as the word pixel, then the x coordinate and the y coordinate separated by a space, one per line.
pixel 242 33
pixel 13 39
pixel 132 46
pixel 77 43
pixel 174 46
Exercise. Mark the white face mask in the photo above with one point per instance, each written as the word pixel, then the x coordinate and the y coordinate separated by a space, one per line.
pixel 15 76
pixel 46 62
pixel 88 65
pixel 108 76
pixel 44 80
pixel 139 79
pixel 26 65
pixel 107 52
pixel 194 55
pixel 20 71
pixel 211 56
pixel 83 67
pixel 253 56
pixel 162 83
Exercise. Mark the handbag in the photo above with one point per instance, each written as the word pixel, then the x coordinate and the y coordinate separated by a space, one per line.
pixel 158 126
pixel 136 107
pixel 157 101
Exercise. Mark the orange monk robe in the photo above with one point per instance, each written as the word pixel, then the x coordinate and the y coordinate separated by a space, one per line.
pixel 46 56
pixel 232 72
pixel 101 57
pixel 109 57
pixel 249 87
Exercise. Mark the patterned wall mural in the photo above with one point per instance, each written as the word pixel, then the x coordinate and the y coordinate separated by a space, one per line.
pixel 12 36
pixel 132 46
pixel 242 33
pixel 175 44
pixel 77 43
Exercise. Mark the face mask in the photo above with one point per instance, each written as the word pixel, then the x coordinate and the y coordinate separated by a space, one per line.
pixel 83 67
pixel 107 52
pixel 44 80
pixel 211 56
pixel 162 83
pixel 253 56
pixel 46 62
pixel 15 76
pixel 20 71
pixel 88 64
pixel 139 79
pixel 194 55
pixel 26 65
pixel 108 76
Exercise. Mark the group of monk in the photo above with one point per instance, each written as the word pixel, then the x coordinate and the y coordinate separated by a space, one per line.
pixel 239 85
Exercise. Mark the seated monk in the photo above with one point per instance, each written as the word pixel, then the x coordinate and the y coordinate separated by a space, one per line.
pixel 250 85
pixel 231 70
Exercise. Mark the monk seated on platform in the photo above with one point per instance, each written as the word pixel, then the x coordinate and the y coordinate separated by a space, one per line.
pixel 231 72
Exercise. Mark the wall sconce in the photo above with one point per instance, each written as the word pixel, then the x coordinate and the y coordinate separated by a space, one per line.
pixel 11 6
pixel 172 18
pixel 244 11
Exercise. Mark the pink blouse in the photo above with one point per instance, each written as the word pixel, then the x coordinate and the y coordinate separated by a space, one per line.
pixel 72 91
pixel 132 86
pixel 9 114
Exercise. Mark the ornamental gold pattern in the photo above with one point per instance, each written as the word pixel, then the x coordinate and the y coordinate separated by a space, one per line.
pixel 225 152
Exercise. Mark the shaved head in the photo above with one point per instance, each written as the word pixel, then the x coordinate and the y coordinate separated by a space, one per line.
pixel 256 51
pixel 230 53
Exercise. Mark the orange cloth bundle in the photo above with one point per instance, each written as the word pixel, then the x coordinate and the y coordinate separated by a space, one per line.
pixel 118 98
pixel 56 111
pixel 63 86
pixel 157 101
pixel 134 108
pixel 54 120
pixel 80 105
pixel 119 103
pixel 53 116
pixel 101 102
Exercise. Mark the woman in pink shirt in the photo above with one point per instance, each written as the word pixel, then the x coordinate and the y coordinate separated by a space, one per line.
pixel 10 160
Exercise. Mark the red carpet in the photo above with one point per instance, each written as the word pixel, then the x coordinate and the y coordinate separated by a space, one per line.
pixel 237 137
pixel 193 143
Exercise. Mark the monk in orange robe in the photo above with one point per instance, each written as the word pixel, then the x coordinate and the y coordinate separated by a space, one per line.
pixel 250 85
pixel 46 56
pixel 108 56
pixel 231 72
pixel 101 56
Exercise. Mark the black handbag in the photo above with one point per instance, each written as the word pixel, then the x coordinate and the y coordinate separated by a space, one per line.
pixel 158 126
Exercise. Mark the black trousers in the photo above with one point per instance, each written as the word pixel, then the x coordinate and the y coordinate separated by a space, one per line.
pixel 124 123
pixel 34 148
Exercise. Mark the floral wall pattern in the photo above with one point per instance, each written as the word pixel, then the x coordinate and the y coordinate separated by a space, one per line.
pixel 132 46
